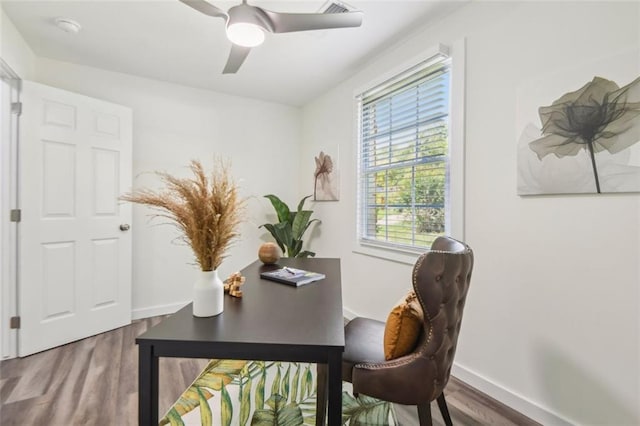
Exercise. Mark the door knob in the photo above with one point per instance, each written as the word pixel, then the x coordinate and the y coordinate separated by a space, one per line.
pixel 124 227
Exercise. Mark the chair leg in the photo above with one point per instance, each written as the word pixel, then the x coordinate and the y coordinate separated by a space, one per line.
pixel 442 404
pixel 424 414
pixel 321 394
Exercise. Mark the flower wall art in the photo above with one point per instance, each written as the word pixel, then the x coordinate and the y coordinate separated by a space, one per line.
pixel 584 141
pixel 326 178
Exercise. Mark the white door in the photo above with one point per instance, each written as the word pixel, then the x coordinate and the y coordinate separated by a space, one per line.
pixel 74 256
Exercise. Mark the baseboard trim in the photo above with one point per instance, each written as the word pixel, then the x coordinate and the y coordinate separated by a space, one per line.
pixel 153 311
pixel 509 398
pixel 348 314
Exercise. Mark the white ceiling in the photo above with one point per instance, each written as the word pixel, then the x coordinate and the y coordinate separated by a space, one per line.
pixel 167 40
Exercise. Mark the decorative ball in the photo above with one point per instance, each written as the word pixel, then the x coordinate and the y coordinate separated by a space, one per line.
pixel 269 253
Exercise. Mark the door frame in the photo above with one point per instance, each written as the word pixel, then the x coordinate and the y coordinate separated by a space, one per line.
pixel 9 230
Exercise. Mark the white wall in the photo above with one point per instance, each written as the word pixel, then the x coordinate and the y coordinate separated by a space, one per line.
pixel 14 50
pixel 171 125
pixel 552 324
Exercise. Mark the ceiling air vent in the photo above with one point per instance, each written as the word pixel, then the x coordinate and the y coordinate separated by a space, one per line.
pixel 335 7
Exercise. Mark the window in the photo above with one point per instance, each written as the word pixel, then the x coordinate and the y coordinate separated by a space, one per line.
pixel 404 158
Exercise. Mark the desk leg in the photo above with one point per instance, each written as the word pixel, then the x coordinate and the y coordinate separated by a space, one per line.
pixel 321 394
pixel 147 386
pixel 335 388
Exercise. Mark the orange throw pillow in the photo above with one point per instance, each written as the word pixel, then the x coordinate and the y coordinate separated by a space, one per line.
pixel 403 327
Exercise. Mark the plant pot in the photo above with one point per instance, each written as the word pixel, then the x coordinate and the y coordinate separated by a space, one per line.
pixel 208 295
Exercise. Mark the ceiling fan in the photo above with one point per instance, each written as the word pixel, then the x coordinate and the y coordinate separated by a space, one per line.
pixel 247 24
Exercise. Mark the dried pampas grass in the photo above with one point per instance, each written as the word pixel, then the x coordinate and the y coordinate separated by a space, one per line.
pixel 206 210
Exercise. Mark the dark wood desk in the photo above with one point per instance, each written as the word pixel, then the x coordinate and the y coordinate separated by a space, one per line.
pixel 271 322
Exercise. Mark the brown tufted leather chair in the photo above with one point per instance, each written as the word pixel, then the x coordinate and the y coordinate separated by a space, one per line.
pixel 440 279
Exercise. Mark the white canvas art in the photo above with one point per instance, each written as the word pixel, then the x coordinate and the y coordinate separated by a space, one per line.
pixel 579 130
pixel 326 177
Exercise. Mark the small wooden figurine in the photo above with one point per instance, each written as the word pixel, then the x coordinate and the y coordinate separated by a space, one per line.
pixel 233 283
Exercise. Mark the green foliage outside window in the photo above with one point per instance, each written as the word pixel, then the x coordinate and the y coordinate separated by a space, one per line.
pixel 400 190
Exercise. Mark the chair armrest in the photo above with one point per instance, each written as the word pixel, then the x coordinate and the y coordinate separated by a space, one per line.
pixel 409 380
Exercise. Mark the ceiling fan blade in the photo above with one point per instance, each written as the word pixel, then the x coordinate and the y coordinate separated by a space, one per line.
pixel 236 57
pixel 206 8
pixel 289 22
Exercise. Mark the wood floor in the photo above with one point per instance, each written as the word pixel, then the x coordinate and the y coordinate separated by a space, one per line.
pixel 94 382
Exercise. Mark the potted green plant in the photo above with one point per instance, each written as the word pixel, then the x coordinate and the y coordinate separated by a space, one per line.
pixel 291 227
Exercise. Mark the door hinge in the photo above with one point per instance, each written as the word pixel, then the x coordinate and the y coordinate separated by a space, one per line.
pixel 14 322
pixel 15 215
pixel 16 108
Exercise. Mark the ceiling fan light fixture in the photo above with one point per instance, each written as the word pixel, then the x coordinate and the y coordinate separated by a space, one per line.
pixel 245 34
pixel 247 24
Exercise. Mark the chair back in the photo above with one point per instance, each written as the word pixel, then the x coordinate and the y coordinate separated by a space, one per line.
pixel 441 280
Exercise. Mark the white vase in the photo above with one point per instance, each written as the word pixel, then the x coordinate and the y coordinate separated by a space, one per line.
pixel 208 295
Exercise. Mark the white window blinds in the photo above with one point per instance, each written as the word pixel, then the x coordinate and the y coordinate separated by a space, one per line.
pixel 404 157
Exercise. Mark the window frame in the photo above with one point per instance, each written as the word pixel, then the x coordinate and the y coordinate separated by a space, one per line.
pixel 455 204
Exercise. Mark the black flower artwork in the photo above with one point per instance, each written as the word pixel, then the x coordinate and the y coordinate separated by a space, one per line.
pixel 599 116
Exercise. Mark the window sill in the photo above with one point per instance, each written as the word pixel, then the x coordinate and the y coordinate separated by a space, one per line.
pixel 387 253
